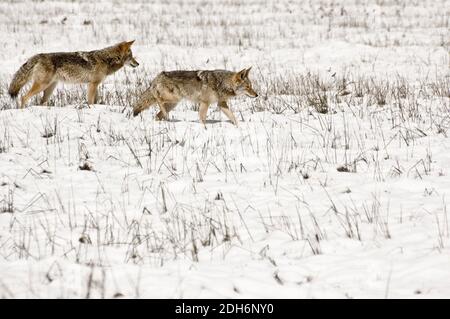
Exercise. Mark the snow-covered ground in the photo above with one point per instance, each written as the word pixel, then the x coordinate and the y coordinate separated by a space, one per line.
pixel 348 202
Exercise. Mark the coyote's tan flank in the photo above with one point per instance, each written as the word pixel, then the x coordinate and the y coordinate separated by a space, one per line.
pixel 47 69
pixel 202 87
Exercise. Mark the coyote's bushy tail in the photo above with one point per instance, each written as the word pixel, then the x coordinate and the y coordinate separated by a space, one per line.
pixel 145 101
pixel 22 76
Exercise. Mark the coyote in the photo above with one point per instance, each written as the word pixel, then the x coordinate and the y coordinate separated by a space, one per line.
pixel 47 69
pixel 203 87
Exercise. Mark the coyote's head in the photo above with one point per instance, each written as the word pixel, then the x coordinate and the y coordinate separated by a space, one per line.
pixel 126 54
pixel 242 84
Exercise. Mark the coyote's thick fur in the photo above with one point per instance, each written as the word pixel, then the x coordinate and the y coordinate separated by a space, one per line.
pixel 47 69
pixel 202 87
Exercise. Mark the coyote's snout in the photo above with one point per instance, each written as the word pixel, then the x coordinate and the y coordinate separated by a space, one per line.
pixel 203 87
pixel 47 69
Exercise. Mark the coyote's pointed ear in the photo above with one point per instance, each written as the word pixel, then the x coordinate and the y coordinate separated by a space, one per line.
pixel 124 46
pixel 241 74
pixel 247 71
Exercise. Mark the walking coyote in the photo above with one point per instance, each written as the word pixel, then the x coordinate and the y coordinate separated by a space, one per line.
pixel 47 69
pixel 203 87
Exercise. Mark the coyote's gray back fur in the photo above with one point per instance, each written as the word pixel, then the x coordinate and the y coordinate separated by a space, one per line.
pixel 196 86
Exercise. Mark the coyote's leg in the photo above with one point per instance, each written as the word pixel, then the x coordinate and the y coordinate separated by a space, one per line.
pixel 92 92
pixel 226 110
pixel 203 110
pixel 36 88
pixel 48 92
pixel 168 107
pixel 96 101
pixel 162 114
